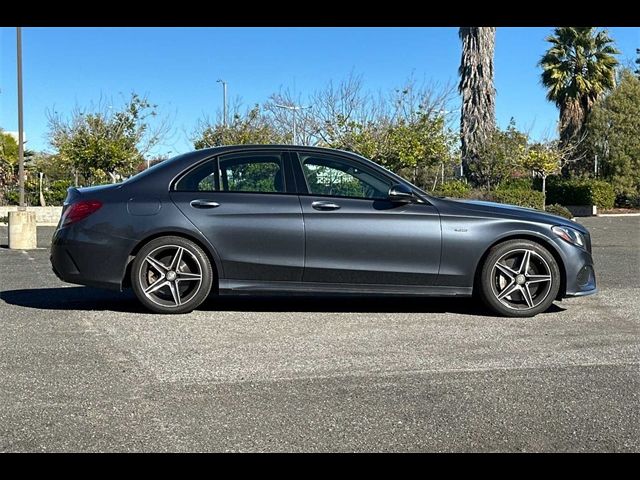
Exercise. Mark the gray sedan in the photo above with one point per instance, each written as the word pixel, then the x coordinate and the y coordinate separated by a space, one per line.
pixel 302 220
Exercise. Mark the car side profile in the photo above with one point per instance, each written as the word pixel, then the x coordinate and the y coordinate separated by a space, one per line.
pixel 292 219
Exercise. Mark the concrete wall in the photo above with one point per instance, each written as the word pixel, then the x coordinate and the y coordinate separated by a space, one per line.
pixel 44 215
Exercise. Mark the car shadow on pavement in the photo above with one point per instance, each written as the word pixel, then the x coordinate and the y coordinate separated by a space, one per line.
pixel 73 298
pixel 93 299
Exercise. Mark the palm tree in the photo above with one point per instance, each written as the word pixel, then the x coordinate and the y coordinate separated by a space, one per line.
pixel 576 70
pixel 478 113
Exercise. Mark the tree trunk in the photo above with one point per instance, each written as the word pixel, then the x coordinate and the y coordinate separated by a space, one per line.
pixel 477 115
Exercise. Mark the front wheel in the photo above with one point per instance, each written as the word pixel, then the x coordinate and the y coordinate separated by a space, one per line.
pixel 171 275
pixel 519 278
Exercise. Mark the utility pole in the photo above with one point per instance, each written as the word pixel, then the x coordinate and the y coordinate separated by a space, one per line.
pixel 22 204
pixel 294 109
pixel 224 101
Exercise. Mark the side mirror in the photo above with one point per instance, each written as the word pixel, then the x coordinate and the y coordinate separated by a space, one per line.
pixel 401 194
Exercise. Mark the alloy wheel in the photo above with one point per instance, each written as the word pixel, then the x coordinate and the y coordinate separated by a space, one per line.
pixel 521 279
pixel 170 276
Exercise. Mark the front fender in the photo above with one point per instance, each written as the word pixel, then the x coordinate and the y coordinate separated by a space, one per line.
pixel 465 241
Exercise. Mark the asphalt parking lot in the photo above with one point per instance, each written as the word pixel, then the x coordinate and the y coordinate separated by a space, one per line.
pixel 89 370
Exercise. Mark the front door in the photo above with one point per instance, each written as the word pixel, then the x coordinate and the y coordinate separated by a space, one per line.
pixel 354 234
pixel 240 202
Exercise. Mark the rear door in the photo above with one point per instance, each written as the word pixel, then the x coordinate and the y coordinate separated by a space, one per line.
pixel 246 206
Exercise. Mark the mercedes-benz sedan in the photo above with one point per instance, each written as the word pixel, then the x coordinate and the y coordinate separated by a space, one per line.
pixel 266 219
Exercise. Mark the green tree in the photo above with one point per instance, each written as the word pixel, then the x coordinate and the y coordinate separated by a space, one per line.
pixel 251 128
pixel 8 165
pixel 500 157
pixel 418 145
pixel 53 166
pixel 405 133
pixel 545 160
pixel 477 118
pixel 614 135
pixel 364 138
pixel 8 149
pixel 414 146
pixel 104 144
pixel 577 70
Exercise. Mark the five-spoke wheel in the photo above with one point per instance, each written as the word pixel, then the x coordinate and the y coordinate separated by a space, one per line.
pixel 519 278
pixel 171 275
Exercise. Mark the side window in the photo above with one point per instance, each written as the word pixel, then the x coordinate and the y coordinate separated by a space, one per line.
pixel 338 177
pixel 244 172
pixel 252 173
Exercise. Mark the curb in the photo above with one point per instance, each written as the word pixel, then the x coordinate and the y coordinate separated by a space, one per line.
pixel 618 215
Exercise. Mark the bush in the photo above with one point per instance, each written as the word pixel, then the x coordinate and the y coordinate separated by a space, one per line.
pixel 627 200
pixel 57 192
pixel 12 197
pixel 524 183
pixel 517 196
pixel 54 194
pixel 454 189
pixel 581 192
pixel 559 210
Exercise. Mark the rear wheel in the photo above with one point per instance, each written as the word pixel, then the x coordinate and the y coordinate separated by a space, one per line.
pixel 520 278
pixel 171 275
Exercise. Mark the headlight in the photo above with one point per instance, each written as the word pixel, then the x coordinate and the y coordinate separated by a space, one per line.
pixel 570 235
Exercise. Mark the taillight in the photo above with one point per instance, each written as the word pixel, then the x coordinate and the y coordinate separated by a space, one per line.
pixel 77 211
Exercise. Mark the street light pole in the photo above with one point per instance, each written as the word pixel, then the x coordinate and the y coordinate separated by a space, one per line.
pixel 295 133
pixel 22 205
pixel 22 223
pixel 294 109
pixel 224 101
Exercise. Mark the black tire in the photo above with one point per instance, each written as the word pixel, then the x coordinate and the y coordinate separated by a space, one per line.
pixel 174 282
pixel 510 291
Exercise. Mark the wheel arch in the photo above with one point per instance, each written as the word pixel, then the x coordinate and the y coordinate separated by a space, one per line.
pixel 213 257
pixel 553 250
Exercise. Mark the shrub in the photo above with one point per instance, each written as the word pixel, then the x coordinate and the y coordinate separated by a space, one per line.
pixel 31 196
pixel 627 200
pixel 520 182
pixel 11 197
pixel 581 192
pixel 602 193
pixel 56 192
pixel 559 210
pixel 517 196
pixel 454 188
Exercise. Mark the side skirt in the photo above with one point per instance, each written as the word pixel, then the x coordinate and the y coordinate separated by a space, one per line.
pixel 239 287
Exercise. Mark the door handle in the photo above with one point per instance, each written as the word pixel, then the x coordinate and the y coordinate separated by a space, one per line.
pixel 325 206
pixel 203 204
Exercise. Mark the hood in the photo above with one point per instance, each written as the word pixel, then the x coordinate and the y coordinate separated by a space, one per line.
pixel 513 211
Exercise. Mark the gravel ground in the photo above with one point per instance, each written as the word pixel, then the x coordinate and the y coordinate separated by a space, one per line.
pixel 89 370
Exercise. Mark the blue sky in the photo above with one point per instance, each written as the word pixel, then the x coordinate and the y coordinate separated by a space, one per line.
pixel 177 68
